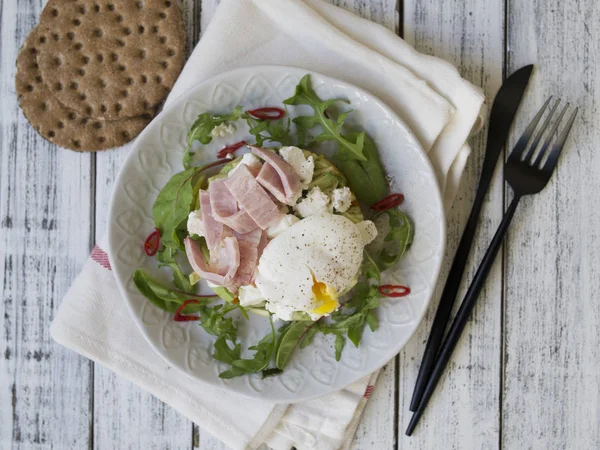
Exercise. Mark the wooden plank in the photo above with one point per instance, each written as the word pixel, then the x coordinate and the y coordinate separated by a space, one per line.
pixel 552 343
pixel 126 416
pixel 377 428
pixel 44 202
pixel 115 398
pixel 383 12
pixel 464 411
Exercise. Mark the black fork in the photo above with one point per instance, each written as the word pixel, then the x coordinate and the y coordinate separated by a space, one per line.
pixel 527 170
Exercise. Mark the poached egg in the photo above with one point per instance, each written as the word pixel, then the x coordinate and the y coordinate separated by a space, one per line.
pixel 309 265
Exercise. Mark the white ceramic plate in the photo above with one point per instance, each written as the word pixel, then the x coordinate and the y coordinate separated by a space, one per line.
pixel 313 371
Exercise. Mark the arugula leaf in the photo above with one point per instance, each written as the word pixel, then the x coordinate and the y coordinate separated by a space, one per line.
pixel 241 366
pixel 366 178
pixel 172 207
pixel 163 297
pixel 201 129
pixel 364 300
pixel 345 322
pixel 369 269
pixel 224 353
pixel 288 341
pixel 166 257
pixel 401 236
pixel 340 342
pixel 269 130
pixel 308 337
pixel 332 130
pixel 214 322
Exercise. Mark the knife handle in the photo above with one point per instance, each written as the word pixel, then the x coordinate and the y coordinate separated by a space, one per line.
pixel 442 315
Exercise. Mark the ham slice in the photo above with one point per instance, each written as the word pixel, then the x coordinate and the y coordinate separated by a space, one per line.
pixel 252 198
pixel 270 180
pixel 223 268
pixel 248 245
pixel 225 209
pixel 213 230
pixel 264 240
pixel 289 180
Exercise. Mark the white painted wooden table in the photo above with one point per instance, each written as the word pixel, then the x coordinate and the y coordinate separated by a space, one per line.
pixel 526 374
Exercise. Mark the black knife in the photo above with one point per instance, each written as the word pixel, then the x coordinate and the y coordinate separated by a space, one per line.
pixel 503 112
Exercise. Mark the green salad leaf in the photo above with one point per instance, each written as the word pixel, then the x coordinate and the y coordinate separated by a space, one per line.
pixel 366 178
pixel 370 269
pixel 269 130
pixel 166 257
pixel 240 366
pixel 355 333
pixel 400 237
pixel 289 340
pixel 364 300
pixel 331 129
pixel 224 293
pixel 175 202
pixel 201 129
pixel 172 207
pixel 213 320
pixel 224 353
pixel 372 320
pixel 308 337
pixel 340 342
pixel 166 298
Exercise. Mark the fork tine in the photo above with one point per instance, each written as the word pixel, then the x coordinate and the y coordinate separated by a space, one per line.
pixel 538 136
pixel 542 152
pixel 559 144
pixel 521 145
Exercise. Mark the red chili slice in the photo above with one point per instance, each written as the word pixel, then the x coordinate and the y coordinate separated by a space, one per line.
pixel 230 149
pixel 391 201
pixel 181 318
pixel 268 113
pixel 152 243
pixel 394 290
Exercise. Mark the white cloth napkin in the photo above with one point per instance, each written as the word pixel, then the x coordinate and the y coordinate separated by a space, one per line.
pixel 440 107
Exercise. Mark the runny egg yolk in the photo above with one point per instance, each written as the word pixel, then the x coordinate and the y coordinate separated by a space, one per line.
pixel 326 297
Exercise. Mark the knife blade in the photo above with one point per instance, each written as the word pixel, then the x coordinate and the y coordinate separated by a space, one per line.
pixel 503 112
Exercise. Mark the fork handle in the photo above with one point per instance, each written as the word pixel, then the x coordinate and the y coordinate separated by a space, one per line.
pixel 448 297
pixel 462 316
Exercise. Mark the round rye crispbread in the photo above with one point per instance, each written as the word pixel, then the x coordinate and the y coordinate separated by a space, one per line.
pixel 62 125
pixel 111 58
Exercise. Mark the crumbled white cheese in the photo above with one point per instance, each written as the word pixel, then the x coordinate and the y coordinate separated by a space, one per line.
pixel 316 202
pixel 250 160
pixel 249 295
pixel 222 130
pixel 341 198
pixel 303 166
pixel 367 230
pixel 286 221
pixel 194 223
